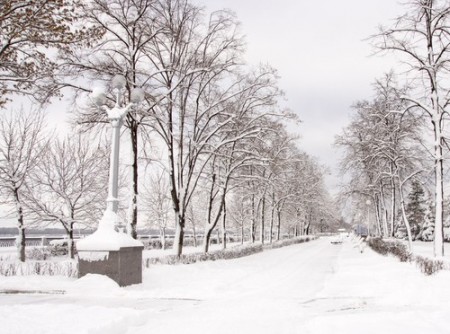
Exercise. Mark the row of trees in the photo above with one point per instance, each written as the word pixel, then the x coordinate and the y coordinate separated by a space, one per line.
pixel 49 180
pixel 399 138
pixel 209 136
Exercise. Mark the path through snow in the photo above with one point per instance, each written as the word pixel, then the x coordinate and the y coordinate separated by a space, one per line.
pixel 314 287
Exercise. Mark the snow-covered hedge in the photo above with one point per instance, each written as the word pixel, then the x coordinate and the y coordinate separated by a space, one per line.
pixel 48 268
pixel 426 265
pixel 230 253
pixel 69 268
pixel 38 253
pixel 394 247
pixel 288 242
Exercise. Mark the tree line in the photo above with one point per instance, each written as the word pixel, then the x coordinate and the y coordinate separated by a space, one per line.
pixel 396 145
pixel 208 145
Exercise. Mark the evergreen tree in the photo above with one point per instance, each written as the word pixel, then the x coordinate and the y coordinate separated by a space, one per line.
pixel 415 209
pixel 427 232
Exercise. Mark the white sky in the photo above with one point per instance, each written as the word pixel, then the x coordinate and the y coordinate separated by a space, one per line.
pixel 324 62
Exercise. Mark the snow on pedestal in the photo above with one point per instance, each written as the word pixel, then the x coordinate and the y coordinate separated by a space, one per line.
pixel 106 238
pixel 111 253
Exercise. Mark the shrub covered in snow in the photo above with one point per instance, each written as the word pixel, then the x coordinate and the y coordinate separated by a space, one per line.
pixel 231 253
pixel 156 243
pixel 395 248
pixel 38 253
pixel 288 242
pixel 59 250
pixel 47 268
pixel 152 244
pixel 427 266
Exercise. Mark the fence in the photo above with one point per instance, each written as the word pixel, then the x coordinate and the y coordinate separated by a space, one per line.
pixel 29 241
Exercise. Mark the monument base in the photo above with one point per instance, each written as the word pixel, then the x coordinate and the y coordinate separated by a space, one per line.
pixel 123 266
pixel 111 253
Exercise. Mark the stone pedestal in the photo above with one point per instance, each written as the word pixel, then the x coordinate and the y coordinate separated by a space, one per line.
pixel 123 266
pixel 111 253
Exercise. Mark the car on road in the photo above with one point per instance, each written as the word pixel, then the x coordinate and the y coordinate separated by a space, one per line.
pixel 337 240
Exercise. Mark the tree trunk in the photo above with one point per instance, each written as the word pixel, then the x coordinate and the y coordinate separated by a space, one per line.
pixel 253 221
pixel 21 242
pixel 209 227
pixel 162 237
pixel 393 199
pixel 242 232
pixel 308 224
pixel 194 231
pixel 71 243
pixel 405 219
pixel 272 219
pixel 377 214
pixel 20 226
pixel 436 119
pixel 206 240
pixel 384 211
pixel 263 209
pixel 278 224
pixel 176 182
pixel 179 215
pixel 132 228
pixel 224 227
pixel 439 215
pixel 179 234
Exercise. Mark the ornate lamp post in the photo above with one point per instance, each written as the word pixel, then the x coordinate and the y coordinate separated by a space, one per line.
pixel 107 251
pixel 116 116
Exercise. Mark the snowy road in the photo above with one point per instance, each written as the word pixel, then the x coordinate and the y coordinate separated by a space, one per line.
pixel 269 291
pixel 314 287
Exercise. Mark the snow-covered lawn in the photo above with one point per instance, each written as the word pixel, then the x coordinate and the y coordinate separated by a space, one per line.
pixel 314 287
pixel 425 248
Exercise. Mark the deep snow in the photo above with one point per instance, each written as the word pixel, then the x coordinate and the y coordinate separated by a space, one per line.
pixel 315 287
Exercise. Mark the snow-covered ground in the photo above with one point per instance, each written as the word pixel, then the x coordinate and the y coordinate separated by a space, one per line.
pixel 425 248
pixel 314 287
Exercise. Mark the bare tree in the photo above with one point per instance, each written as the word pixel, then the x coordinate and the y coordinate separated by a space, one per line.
pixel 200 58
pixel 382 147
pixel 289 182
pixel 223 167
pixel 156 202
pixel 67 187
pixel 28 30
pixel 422 36
pixel 233 148
pixel 22 141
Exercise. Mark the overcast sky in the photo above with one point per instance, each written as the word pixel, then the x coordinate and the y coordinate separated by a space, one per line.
pixel 320 51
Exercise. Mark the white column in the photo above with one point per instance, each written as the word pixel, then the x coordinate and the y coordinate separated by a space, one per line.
pixel 113 185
